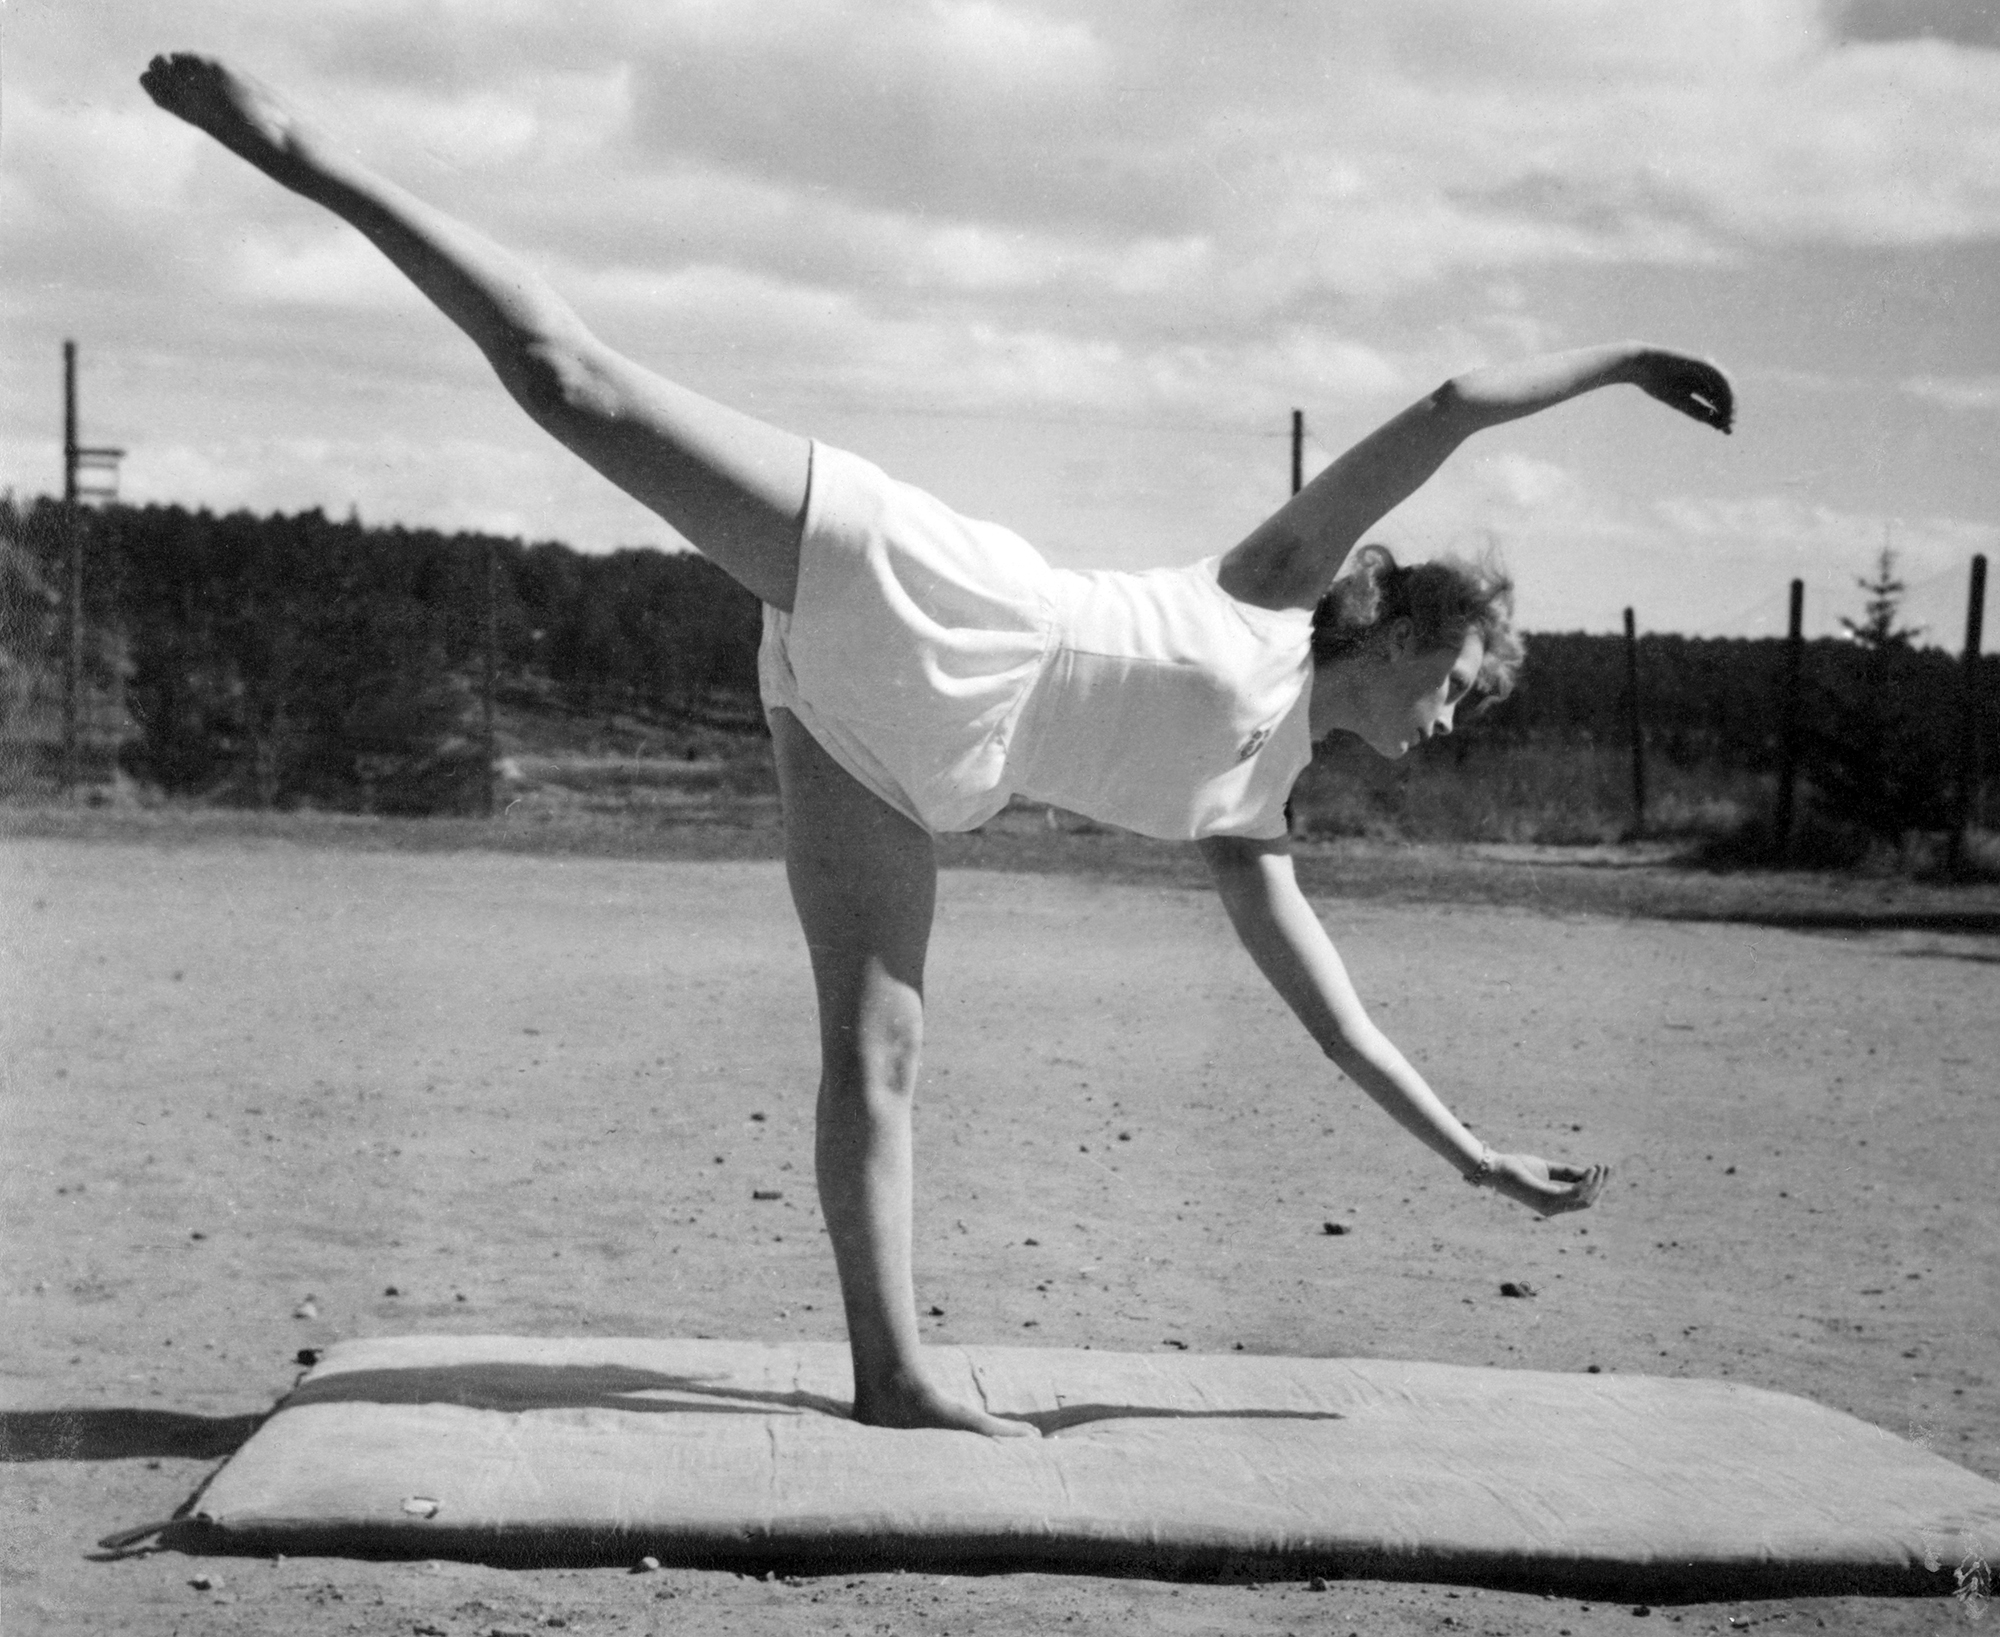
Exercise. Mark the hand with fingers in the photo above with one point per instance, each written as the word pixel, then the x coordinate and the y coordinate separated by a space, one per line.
pixel 1692 385
pixel 1546 1189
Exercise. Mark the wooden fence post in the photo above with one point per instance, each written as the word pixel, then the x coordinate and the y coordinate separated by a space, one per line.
pixel 72 717
pixel 1635 723
pixel 1788 722
pixel 1968 722
pixel 489 670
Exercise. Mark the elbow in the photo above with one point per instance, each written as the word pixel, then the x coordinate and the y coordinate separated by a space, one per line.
pixel 1353 1043
pixel 554 379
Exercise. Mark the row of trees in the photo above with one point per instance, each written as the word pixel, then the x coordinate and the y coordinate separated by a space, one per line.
pixel 295 658
pixel 1878 716
pixel 284 659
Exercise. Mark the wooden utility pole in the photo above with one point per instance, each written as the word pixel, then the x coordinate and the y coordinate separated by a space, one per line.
pixel 1634 723
pixel 76 461
pixel 73 540
pixel 1298 483
pixel 1788 721
pixel 1968 722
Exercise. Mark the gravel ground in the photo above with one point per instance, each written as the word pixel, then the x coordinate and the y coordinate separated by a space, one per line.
pixel 263 1093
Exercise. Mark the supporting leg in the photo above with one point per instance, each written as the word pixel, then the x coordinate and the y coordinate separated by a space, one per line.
pixel 864 880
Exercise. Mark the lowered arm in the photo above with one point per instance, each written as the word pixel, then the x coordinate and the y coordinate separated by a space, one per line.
pixel 1291 948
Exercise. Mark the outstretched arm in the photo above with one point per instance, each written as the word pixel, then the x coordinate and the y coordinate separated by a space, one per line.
pixel 1290 559
pixel 1292 949
pixel 732 485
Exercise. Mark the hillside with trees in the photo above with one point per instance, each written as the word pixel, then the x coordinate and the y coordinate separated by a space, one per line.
pixel 298 660
pixel 280 660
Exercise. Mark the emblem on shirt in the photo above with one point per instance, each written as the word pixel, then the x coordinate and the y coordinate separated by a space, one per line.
pixel 1256 742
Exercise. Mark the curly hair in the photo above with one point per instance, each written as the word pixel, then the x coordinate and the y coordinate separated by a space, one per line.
pixel 1443 599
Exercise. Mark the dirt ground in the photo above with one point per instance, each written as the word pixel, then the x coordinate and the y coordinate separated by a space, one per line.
pixel 479 1092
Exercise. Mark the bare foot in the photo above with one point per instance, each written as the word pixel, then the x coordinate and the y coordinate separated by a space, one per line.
pixel 246 116
pixel 911 1404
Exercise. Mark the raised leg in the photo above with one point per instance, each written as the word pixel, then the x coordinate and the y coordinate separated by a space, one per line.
pixel 732 486
pixel 864 879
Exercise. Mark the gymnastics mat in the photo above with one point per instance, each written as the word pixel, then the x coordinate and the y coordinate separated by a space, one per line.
pixel 733 1455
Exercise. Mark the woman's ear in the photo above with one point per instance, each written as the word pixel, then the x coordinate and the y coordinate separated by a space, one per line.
pixel 1400 638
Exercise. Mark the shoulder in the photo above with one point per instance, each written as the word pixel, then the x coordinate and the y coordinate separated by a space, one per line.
pixel 1234 587
pixel 1272 569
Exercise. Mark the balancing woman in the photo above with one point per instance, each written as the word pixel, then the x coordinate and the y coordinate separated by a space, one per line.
pixel 919 669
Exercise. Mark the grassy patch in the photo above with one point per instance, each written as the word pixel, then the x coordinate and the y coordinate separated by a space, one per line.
pixel 1651 880
pixel 1557 794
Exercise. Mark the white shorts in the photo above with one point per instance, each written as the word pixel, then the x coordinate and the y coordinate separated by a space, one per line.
pixel 915 639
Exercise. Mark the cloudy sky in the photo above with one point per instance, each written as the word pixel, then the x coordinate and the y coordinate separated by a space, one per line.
pixel 1071 266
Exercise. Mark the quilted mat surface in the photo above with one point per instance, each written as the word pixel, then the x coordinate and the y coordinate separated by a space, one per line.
pixel 730 1454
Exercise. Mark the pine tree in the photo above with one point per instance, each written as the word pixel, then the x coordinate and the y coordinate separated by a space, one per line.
pixel 1876 631
pixel 1873 766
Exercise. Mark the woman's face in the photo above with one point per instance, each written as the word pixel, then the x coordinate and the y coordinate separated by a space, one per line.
pixel 1413 691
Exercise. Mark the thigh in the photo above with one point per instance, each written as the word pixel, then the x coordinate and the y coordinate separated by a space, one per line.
pixel 731 485
pixel 864 880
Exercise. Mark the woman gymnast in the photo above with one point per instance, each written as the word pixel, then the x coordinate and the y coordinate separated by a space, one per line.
pixel 918 669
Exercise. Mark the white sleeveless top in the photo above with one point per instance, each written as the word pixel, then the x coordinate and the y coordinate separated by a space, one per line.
pixel 1168 707
pixel 948 667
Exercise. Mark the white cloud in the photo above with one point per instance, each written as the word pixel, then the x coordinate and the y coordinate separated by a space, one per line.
pixel 1186 219
pixel 998 51
pixel 1826 533
pixel 535 120
pixel 328 267
pixel 1230 171
pixel 438 482
pixel 1525 483
pixel 1956 392
pixel 82 154
pixel 1831 550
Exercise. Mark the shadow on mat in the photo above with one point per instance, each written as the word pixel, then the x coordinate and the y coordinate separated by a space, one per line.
pixel 1052 1422
pixel 121 1435
pixel 516 1387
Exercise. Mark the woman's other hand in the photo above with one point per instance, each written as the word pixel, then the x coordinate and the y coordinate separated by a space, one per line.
pixel 1545 1188
pixel 1692 385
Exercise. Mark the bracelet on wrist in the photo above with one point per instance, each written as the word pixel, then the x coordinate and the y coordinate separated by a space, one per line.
pixel 1482 1173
